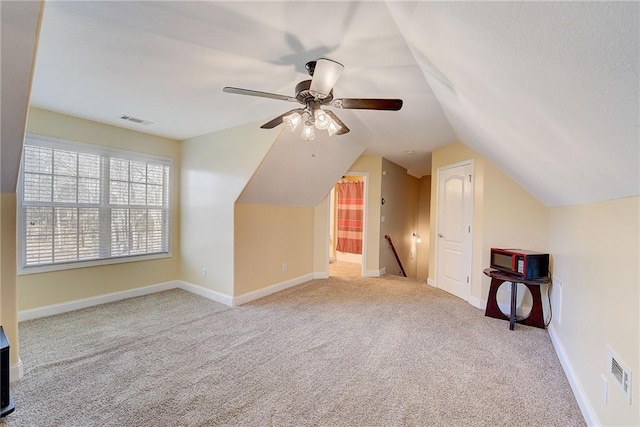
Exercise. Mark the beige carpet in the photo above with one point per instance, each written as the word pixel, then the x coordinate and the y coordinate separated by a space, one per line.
pixel 334 352
pixel 345 269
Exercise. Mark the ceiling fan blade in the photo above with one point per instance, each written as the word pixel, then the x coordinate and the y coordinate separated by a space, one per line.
pixel 249 92
pixel 278 120
pixel 344 129
pixel 325 75
pixel 368 104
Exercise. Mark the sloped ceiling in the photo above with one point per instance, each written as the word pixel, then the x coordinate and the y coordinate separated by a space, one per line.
pixel 306 180
pixel 18 40
pixel 547 91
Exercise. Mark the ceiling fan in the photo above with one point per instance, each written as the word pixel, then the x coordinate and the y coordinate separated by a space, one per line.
pixel 315 95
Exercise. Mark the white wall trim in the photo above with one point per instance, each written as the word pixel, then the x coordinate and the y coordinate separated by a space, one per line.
pixel 207 293
pixel 320 275
pixel 16 371
pixel 50 310
pixel 478 302
pixel 431 282
pixel 586 408
pixel 260 293
pixel 376 273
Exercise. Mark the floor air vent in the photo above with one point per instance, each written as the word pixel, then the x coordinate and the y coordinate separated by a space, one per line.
pixel 620 372
pixel 135 120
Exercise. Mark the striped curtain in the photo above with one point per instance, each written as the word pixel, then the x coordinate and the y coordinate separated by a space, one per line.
pixel 350 217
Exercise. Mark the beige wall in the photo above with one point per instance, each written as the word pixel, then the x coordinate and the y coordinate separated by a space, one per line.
pixel 372 165
pixel 400 191
pixel 266 237
pixel 424 227
pixel 21 23
pixel 321 249
pixel 215 169
pixel 9 294
pixel 512 218
pixel 596 257
pixel 37 290
pixel 504 214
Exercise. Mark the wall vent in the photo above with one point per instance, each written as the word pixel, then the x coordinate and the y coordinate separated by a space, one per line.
pixel 135 120
pixel 620 373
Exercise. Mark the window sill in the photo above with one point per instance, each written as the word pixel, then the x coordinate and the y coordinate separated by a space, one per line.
pixel 23 271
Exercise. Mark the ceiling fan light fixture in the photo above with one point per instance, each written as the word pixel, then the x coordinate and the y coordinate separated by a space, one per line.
pixel 291 121
pixel 308 134
pixel 325 76
pixel 322 119
pixel 333 127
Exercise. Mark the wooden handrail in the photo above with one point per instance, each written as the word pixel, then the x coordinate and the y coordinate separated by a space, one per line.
pixel 386 236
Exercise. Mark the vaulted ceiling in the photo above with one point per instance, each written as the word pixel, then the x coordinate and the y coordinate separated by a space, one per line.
pixel 547 91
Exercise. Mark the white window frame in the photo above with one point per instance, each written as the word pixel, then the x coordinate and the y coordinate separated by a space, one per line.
pixel 80 147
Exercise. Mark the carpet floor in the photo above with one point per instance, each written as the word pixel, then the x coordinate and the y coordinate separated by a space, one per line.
pixel 336 352
pixel 345 269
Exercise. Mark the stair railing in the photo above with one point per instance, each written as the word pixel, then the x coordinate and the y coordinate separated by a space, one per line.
pixel 386 236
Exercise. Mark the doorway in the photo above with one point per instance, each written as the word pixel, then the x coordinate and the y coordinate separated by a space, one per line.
pixel 347 226
pixel 453 232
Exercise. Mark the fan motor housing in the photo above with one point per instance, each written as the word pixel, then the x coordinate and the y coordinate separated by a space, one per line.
pixel 304 96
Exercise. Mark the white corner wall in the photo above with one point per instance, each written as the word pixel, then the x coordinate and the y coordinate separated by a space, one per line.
pixel 215 169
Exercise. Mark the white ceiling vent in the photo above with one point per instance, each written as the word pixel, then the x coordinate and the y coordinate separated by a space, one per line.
pixel 135 120
pixel 620 373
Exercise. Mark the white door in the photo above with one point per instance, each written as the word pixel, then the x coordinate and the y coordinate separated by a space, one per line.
pixel 455 197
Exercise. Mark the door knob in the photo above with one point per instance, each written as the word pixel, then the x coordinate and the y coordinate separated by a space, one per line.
pixel 440 235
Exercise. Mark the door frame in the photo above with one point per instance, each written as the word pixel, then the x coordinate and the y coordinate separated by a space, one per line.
pixel 365 221
pixel 469 243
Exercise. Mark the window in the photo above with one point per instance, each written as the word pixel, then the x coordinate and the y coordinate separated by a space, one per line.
pixel 85 205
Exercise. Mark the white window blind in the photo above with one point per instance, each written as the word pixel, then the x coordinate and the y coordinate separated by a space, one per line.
pixel 81 203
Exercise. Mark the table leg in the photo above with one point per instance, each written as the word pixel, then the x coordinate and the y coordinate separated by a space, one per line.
pixel 512 314
pixel 536 317
pixel 493 310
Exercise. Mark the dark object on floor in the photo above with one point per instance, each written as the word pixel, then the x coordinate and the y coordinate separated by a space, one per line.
pixel 6 401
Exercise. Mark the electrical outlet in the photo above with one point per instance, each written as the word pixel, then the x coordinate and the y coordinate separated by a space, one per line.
pixel 382 218
pixel 411 255
pixel 204 272
pixel 284 266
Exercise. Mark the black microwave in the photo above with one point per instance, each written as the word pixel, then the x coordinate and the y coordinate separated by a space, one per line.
pixel 520 262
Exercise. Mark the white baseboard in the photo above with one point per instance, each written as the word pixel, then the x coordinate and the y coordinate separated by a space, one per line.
pixel 587 410
pixel 50 310
pixel 207 293
pixel 474 301
pixel 477 302
pixel 260 293
pixel 16 371
pixel 376 273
